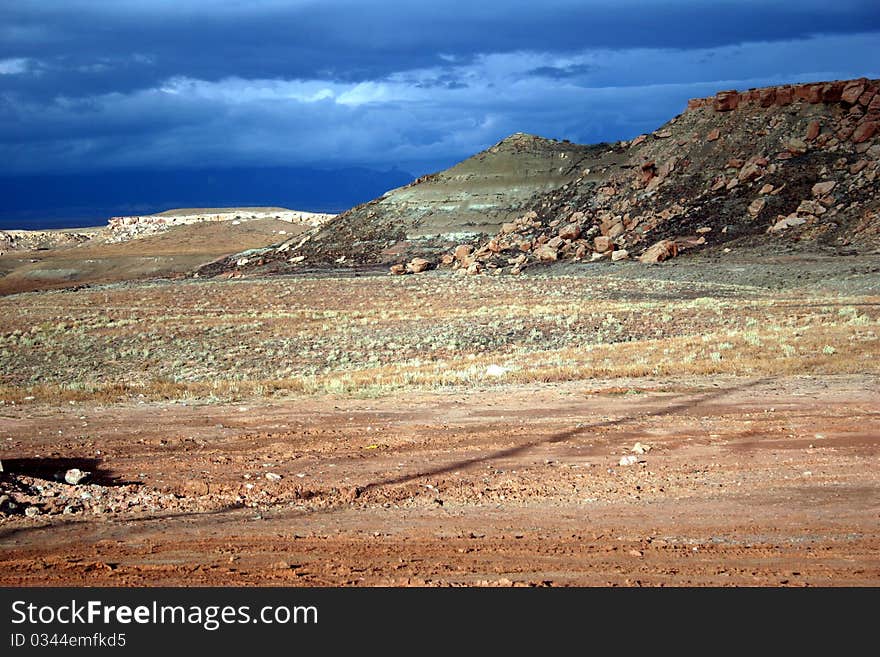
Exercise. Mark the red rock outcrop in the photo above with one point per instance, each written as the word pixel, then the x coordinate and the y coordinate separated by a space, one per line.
pixel 862 96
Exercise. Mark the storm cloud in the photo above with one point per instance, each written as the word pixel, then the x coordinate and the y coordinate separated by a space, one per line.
pixel 415 85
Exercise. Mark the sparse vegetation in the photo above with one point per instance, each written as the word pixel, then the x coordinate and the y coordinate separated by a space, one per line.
pixel 374 335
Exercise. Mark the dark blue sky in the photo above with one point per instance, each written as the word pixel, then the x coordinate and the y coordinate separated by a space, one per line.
pixel 91 85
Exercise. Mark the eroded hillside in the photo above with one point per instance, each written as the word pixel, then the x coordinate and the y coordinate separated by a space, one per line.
pixel 795 164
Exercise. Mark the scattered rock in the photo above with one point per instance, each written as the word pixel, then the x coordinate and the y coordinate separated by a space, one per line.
pixel 796 146
pixel 858 167
pixel 397 269
pixel 74 476
pixel 546 253
pixel 628 460
pixel 749 172
pixel 811 207
pixel 602 243
pixel 852 91
pixel 418 265
pixel 756 206
pixel 864 132
pixel 660 251
pixel 271 476
pixel 823 188
pixel 620 254
pixel 32 511
pixel 787 222
pixel 713 135
pixel 570 232
pixel 462 251
pixel 639 448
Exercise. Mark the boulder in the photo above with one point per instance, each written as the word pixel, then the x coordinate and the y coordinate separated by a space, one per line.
pixel 546 253
pixel 616 230
pixel 74 476
pixel 418 265
pixel 823 188
pixel 852 91
pixel 659 252
pixel 462 251
pixel 621 254
pixel 858 167
pixel 756 206
pixel 796 146
pixel 787 222
pixel 602 243
pixel 813 130
pixel 713 135
pixel 832 91
pixel 864 132
pixel 570 232
pixel 397 269
pixel 749 172
pixel 811 207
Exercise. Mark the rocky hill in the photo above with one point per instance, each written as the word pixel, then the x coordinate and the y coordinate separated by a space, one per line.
pixel 795 164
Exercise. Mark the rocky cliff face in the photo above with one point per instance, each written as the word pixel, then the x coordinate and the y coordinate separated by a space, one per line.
pixel 29 240
pixel 122 229
pixel 791 164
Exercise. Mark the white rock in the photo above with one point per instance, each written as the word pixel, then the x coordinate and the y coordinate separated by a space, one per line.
pixel 629 460
pixel 74 476
pixel 496 370
pixel 638 448
pixel 271 476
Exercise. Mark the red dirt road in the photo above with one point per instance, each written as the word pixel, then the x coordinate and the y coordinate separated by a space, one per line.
pixel 747 482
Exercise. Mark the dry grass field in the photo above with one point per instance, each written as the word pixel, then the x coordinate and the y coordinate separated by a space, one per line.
pixel 377 335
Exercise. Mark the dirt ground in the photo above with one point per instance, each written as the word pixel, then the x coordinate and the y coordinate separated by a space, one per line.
pixel 747 481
